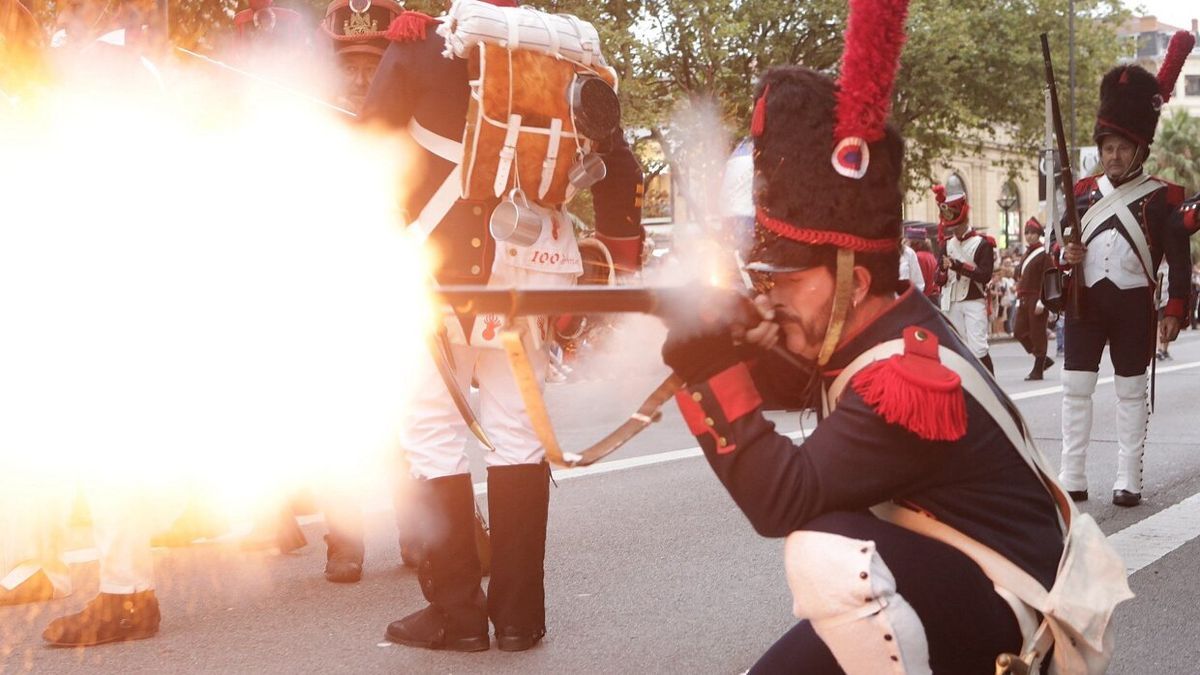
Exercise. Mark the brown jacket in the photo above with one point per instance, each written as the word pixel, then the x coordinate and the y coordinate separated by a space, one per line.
pixel 1030 271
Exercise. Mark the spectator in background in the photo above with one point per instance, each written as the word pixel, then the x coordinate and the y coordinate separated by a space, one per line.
pixel 918 239
pixel 910 265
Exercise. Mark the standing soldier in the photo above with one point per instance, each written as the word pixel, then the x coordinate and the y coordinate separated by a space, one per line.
pixel 1030 327
pixel 1124 213
pixel 967 263
pixel 100 51
pixel 428 94
pixel 919 457
pixel 357 31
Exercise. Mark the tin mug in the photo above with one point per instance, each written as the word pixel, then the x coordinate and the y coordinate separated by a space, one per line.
pixel 588 170
pixel 514 222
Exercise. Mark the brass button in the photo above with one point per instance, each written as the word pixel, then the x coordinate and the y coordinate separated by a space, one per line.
pixel 696 396
pixel 477 210
pixel 475 269
pixel 721 442
pixel 475 242
pixel 512 251
pixel 708 421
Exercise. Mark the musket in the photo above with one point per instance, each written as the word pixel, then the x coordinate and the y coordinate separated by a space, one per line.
pixel 687 305
pixel 1074 304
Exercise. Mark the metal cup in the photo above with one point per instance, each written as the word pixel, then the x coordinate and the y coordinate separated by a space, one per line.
pixel 588 170
pixel 514 222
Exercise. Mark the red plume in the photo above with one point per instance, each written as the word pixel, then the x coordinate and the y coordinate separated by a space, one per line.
pixel 758 122
pixel 874 38
pixel 1181 45
pixel 409 26
pixel 939 193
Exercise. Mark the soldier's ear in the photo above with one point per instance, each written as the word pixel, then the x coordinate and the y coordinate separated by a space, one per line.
pixel 862 284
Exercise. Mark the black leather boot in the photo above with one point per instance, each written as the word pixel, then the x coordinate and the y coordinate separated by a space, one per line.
pixel 518 501
pixel 1039 367
pixel 343 558
pixel 456 618
pixel 109 617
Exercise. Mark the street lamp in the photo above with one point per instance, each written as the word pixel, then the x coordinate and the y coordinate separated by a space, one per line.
pixel 1006 202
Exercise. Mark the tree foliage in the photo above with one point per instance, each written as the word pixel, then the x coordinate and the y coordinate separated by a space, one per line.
pixel 971 72
pixel 1175 154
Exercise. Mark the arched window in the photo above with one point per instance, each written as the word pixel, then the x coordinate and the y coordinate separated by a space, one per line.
pixel 1010 215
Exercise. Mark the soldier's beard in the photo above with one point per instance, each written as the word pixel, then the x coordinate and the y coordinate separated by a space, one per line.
pixel 805 331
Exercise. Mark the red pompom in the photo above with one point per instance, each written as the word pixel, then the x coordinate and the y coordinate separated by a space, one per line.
pixel 915 391
pixel 409 27
pixel 939 193
pixel 758 122
pixel 874 38
pixel 1181 45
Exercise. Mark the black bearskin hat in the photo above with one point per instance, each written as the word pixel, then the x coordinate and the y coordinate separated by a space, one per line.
pixel 802 199
pixel 1129 105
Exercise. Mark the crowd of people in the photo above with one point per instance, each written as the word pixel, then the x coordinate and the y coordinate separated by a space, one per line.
pixel 921 492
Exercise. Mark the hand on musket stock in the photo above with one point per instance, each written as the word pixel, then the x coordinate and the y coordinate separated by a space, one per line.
pixel 1074 253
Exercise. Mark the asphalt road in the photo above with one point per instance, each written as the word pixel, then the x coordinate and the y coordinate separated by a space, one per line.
pixel 650 567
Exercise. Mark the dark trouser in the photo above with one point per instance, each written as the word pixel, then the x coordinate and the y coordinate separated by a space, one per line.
pixel 1030 328
pixel 966 624
pixel 1124 319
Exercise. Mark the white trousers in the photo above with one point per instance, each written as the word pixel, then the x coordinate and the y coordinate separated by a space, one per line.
pixel 969 318
pixel 434 435
pixel 124 517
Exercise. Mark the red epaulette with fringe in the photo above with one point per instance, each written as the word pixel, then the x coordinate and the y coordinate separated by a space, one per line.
pixel 409 27
pixel 915 391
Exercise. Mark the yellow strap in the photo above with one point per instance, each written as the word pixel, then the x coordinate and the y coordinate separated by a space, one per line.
pixel 841 304
pixel 527 383
pixel 539 418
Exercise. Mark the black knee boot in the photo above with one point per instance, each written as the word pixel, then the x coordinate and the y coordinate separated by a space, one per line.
pixel 1039 368
pixel 518 500
pixel 986 360
pixel 456 617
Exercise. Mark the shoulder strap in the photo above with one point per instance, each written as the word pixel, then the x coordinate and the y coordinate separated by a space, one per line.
pixel 1116 203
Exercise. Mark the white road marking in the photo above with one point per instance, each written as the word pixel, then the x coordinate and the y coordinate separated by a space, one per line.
pixel 1149 539
pixel 1045 391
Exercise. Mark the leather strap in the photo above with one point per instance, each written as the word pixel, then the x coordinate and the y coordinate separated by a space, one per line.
pixel 535 406
pixel 1116 203
pixel 450 191
pixel 843 289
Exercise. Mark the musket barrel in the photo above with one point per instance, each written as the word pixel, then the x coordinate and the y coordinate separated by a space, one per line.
pixel 538 301
pixel 1067 182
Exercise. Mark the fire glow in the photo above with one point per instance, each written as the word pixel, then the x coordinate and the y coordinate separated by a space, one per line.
pixel 200 291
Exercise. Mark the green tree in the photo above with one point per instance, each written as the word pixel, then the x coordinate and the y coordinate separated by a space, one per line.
pixel 1175 154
